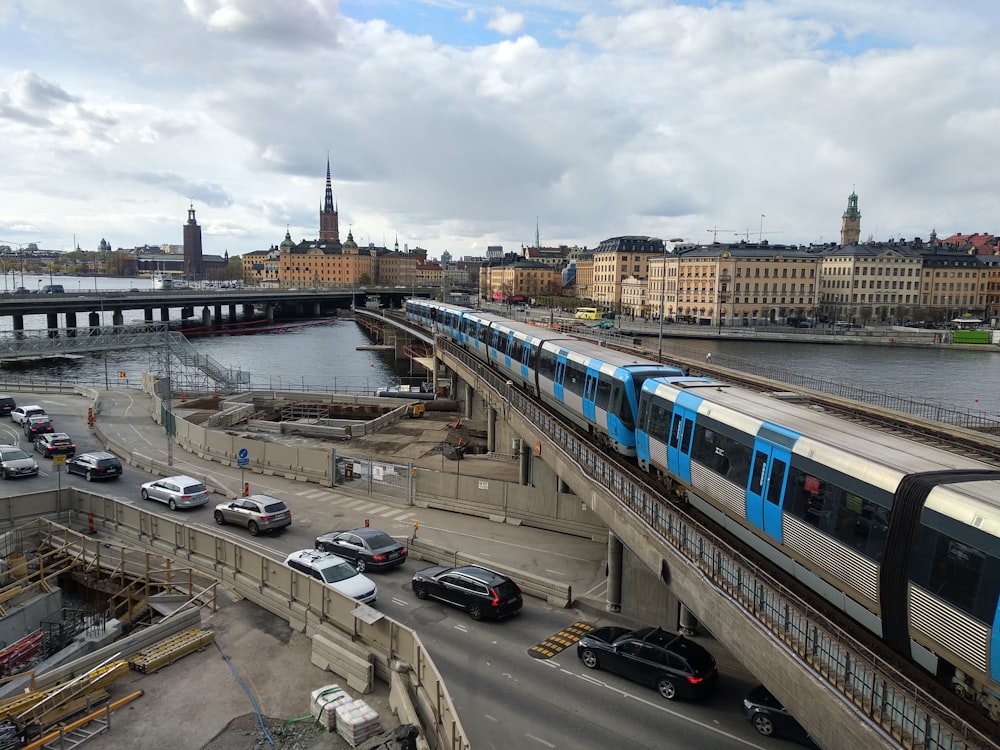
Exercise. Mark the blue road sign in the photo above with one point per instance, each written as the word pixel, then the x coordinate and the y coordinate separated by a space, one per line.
pixel 243 457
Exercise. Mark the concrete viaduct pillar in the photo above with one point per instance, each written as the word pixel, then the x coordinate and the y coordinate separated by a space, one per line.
pixel 165 314
pixel 232 313
pixel 94 319
pixel 206 316
pixel 71 325
pixel 615 550
pixel 117 318
pixel 52 323
pixel 470 395
pixel 147 314
pixel 491 430
pixel 218 315
pixel 18 322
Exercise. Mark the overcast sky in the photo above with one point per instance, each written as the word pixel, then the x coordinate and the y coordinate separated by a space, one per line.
pixel 454 125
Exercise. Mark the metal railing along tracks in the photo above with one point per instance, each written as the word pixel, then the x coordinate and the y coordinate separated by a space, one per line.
pixel 901 707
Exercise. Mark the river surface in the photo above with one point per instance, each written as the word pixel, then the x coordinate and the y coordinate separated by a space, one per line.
pixel 325 355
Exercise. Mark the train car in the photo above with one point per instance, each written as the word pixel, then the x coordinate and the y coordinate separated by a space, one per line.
pixel 475 332
pixel 514 350
pixel 440 317
pixel 902 537
pixel 597 388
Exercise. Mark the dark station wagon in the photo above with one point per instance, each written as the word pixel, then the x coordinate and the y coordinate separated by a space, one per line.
pixel 672 664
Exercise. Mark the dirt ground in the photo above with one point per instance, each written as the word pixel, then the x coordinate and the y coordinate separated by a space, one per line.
pixel 207 699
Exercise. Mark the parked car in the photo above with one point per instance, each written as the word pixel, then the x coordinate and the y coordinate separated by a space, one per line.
pixel 176 492
pixel 55 443
pixel 367 548
pixel 335 572
pixel 257 512
pixel 672 664
pixel 771 719
pixel 38 425
pixel 20 414
pixel 481 592
pixel 7 405
pixel 14 462
pixel 96 465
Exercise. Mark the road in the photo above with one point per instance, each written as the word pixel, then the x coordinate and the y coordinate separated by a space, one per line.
pixel 506 698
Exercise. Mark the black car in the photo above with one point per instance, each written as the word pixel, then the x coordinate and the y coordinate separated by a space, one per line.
pixel 771 719
pixel 35 426
pixel 673 664
pixel 7 405
pixel 96 465
pixel 481 592
pixel 55 443
pixel 367 548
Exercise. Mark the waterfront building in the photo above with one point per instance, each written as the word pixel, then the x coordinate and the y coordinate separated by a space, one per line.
pixel 584 285
pixel 513 280
pixel 870 282
pixel 735 284
pixel 634 295
pixel 617 258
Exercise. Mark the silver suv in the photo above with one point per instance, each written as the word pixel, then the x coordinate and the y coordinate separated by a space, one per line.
pixel 257 513
pixel 335 572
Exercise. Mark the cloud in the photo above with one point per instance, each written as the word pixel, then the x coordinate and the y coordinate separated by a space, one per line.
pixel 505 23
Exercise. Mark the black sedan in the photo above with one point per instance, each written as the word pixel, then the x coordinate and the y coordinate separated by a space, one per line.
pixel 35 426
pixel 670 663
pixel 366 548
pixel 96 465
pixel 771 719
pixel 481 592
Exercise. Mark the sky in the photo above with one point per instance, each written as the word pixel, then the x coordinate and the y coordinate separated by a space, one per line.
pixel 454 125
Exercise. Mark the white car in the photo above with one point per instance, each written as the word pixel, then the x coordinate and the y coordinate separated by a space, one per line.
pixel 21 414
pixel 335 572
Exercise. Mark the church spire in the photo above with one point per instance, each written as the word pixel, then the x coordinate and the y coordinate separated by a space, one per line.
pixel 329 221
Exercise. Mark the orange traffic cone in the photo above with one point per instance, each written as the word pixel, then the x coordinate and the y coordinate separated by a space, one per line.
pixel 91 529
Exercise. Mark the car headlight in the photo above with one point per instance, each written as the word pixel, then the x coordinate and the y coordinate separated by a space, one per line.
pixel 747 704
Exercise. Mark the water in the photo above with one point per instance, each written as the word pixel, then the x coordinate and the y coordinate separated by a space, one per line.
pixel 326 356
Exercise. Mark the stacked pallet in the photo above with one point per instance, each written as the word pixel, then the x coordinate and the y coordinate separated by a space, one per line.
pixel 357 721
pixel 170 650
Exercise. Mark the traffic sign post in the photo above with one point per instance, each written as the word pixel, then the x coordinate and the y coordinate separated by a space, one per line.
pixel 243 460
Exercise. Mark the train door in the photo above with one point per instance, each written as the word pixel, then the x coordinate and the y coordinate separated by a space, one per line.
pixel 679 444
pixel 768 475
pixel 560 376
pixel 590 395
pixel 526 361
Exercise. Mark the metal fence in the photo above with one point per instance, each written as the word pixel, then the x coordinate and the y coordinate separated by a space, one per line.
pixel 375 477
pixel 889 699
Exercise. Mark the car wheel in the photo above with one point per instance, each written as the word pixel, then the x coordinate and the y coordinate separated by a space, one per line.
pixel 145 494
pixel 88 476
pixel 667 689
pixel 475 610
pixel 254 529
pixel 589 659
pixel 361 565
pixel 420 591
pixel 172 504
pixel 763 724
pixel 219 518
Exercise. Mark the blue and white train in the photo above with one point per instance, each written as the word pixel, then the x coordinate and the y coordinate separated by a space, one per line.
pixel 902 537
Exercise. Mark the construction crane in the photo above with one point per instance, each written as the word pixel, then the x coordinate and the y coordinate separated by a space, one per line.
pixel 746 235
pixel 715 233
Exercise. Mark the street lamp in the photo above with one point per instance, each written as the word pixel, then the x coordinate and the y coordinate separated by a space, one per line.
pixel 663 292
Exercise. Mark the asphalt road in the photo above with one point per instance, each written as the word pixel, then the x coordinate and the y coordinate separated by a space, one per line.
pixel 505 697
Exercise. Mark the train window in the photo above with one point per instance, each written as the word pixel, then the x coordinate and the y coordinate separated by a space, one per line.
pixel 722 452
pixel 774 487
pixel 955 572
pixel 547 364
pixel 603 392
pixel 574 378
pixel 962 574
pixel 659 420
pixel 854 520
pixel 620 407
